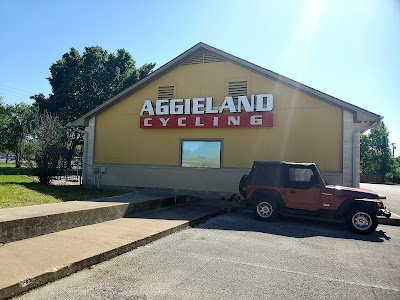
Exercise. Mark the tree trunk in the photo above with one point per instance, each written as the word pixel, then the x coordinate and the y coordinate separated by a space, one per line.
pixel 70 155
pixel 383 178
pixel 18 158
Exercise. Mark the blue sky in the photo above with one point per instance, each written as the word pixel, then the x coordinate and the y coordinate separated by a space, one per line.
pixel 348 49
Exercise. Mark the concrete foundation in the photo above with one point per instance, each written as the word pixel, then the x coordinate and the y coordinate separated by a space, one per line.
pixel 224 180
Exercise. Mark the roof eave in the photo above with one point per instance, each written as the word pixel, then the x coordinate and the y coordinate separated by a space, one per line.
pixel 359 113
pixel 81 122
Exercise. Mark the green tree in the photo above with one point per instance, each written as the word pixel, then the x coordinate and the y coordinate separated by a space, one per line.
pixel 3 115
pixel 396 172
pixel 15 122
pixel 2 106
pixel 82 82
pixel 375 154
pixel 46 144
pixel 367 165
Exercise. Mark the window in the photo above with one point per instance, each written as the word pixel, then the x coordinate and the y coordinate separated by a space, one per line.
pixel 201 154
pixel 300 175
pixel 301 178
pixel 268 175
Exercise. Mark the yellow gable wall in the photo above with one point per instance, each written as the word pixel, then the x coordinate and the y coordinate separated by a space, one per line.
pixel 305 129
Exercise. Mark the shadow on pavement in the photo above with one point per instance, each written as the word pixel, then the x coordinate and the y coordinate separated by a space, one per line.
pixel 294 227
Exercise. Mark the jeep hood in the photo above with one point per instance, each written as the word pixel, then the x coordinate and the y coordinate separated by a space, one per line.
pixel 353 192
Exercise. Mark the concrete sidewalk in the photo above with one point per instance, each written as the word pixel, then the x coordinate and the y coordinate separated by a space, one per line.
pixel 27 222
pixel 32 262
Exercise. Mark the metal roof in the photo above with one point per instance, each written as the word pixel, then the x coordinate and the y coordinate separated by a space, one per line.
pixel 360 114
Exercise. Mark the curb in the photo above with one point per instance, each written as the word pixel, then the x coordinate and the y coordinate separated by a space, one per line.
pixel 24 228
pixel 390 221
pixel 31 283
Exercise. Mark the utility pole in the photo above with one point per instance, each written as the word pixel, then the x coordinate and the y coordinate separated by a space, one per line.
pixel 393 147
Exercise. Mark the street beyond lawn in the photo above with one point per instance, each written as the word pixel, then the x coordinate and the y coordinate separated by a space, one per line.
pixel 392 193
pixel 234 256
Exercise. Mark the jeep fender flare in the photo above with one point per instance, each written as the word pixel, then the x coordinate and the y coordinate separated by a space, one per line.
pixel 242 185
pixel 352 202
pixel 267 193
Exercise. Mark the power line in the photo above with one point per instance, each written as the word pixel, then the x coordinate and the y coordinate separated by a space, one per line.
pixel 9 95
pixel 12 98
pixel 15 88
pixel 5 91
pixel 14 91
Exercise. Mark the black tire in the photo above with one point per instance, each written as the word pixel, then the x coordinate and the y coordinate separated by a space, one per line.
pixel 265 209
pixel 361 220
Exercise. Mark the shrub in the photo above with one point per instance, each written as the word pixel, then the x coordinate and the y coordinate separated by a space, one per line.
pixel 45 145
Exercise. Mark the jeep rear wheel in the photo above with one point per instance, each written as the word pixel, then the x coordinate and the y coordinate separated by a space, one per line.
pixel 265 210
pixel 361 220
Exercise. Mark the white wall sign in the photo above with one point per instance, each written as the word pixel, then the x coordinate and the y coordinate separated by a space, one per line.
pixel 199 106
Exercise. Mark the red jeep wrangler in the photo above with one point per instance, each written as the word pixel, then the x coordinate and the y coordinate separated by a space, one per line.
pixel 284 187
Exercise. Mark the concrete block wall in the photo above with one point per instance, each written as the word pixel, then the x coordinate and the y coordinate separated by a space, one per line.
pixel 348 129
pixel 90 131
pixel 332 178
pixel 224 180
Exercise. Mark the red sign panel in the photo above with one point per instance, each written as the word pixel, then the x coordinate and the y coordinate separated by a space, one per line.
pixel 255 119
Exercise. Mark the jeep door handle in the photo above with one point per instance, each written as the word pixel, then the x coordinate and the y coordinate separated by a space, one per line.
pixel 292 191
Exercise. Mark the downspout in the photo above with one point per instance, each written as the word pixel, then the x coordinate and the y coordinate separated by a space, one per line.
pixel 354 159
pixel 84 164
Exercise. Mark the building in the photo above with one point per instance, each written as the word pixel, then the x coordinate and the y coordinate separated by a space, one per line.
pixel 199 122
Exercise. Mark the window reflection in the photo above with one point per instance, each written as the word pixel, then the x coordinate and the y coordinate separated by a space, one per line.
pixel 201 154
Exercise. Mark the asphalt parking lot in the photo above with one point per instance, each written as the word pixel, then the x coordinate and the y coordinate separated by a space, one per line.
pixel 234 256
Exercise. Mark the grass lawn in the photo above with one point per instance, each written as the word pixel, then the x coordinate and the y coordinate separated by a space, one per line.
pixel 20 190
pixel 4 165
pixel 11 170
pixel 11 163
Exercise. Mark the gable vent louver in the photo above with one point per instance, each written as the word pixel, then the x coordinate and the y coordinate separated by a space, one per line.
pixel 203 57
pixel 166 92
pixel 237 88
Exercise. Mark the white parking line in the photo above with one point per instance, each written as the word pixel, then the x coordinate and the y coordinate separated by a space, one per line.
pixel 286 270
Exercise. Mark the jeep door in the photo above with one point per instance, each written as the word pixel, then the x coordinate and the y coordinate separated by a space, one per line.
pixel 302 188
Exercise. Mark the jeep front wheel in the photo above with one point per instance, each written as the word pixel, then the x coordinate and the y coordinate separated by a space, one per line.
pixel 361 220
pixel 265 210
